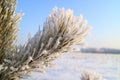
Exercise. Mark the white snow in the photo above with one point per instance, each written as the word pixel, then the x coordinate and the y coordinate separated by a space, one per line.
pixel 72 65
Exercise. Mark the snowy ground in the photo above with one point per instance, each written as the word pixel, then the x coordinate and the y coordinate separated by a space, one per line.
pixel 71 65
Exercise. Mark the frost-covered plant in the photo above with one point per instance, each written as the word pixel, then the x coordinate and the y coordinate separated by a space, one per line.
pixel 89 75
pixel 61 31
pixel 8 26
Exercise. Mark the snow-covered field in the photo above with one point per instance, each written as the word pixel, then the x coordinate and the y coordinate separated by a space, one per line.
pixel 72 65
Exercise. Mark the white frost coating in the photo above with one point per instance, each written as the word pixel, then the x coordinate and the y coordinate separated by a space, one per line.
pixel 7 60
pixel 57 42
pixel 49 42
pixel 89 75
pixel 13 69
pixel 61 31
pixel 44 52
pixel 1 67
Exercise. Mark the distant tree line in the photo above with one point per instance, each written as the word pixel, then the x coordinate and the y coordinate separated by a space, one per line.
pixel 100 50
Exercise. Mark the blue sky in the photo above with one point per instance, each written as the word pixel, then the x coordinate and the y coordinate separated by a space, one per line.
pixel 102 15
